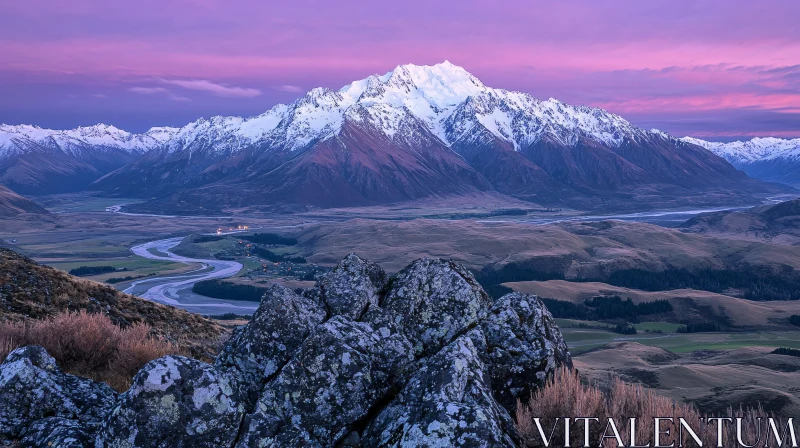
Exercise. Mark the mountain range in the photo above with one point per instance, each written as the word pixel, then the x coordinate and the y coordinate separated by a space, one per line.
pixel 771 159
pixel 36 161
pixel 415 132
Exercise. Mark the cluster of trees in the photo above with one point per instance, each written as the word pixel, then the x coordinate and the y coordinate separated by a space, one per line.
pixel 220 289
pixel 115 280
pixel 700 327
pixel 229 316
pixel 207 238
pixel 273 257
pixel 521 272
pixel 786 351
pixel 758 284
pixel 270 238
pixel 93 270
pixel 625 328
pixel 606 308
pixel 794 319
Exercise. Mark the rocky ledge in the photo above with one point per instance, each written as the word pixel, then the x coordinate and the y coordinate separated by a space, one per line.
pixel 424 358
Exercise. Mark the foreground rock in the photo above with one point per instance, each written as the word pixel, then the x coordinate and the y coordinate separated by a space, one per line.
pixel 423 359
pixel 32 387
pixel 175 402
pixel 57 432
pixel 339 375
pixel 351 287
pixel 448 402
pixel 431 302
pixel 258 350
pixel 521 344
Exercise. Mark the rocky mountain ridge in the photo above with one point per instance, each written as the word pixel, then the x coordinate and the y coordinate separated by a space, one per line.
pixel 35 160
pixel 772 159
pixel 423 358
pixel 414 132
pixel 422 131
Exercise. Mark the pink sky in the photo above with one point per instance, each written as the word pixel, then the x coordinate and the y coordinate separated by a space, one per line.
pixel 718 69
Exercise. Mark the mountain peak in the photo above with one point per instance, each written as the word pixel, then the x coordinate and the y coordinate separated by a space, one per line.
pixel 444 76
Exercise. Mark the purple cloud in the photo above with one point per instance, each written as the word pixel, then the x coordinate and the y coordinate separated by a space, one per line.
pixel 214 88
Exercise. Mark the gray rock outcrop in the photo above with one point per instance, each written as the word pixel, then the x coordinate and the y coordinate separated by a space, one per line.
pixel 424 358
pixel 448 402
pixel 32 387
pixel 258 350
pixel 174 402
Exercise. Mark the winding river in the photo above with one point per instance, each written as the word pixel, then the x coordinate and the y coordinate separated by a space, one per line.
pixel 176 290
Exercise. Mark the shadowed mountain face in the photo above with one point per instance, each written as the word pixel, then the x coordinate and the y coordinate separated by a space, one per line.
pixel 426 131
pixel 12 204
pixel 417 131
pixel 43 161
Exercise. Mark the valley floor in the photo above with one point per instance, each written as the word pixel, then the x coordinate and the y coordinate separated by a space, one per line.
pixel 565 242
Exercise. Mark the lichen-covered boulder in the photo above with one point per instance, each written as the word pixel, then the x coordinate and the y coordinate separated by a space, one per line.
pixel 448 402
pixel 352 286
pixel 430 302
pixel 523 345
pixel 174 402
pixel 32 387
pixel 256 351
pixel 57 432
pixel 341 372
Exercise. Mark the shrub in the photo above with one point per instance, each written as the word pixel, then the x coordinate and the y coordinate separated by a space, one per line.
pixel 270 238
pixel 220 289
pixel 606 308
pixel 275 258
pixel 207 238
pixel 624 329
pixel 786 351
pixel 565 395
pixel 92 270
pixel 89 345
pixel 701 327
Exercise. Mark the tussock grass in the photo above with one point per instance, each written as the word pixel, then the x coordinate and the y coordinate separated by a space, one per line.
pixel 565 395
pixel 89 345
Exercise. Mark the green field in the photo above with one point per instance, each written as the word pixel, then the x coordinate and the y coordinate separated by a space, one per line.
pixel 136 267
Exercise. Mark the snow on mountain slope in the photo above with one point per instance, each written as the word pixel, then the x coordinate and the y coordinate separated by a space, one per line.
pixel 772 159
pixel 21 139
pixel 447 99
pixel 757 149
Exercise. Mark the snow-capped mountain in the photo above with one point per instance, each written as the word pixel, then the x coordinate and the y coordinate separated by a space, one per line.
pixel 447 99
pixel 415 131
pixel 26 138
pixel 36 160
pixel 772 159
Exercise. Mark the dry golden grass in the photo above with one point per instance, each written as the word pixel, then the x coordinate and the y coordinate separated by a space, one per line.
pixel 89 345
pixel 565 395
pixel 35 292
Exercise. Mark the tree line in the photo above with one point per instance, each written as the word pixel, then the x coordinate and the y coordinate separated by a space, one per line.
pixel 606 308
pixel 270 238
pixel 220 289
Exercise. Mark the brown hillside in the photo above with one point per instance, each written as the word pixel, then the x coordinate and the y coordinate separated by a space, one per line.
pixel 31 291
pixel 12 204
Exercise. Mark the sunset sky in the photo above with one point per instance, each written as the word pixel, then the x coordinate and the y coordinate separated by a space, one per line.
pixel 714 69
